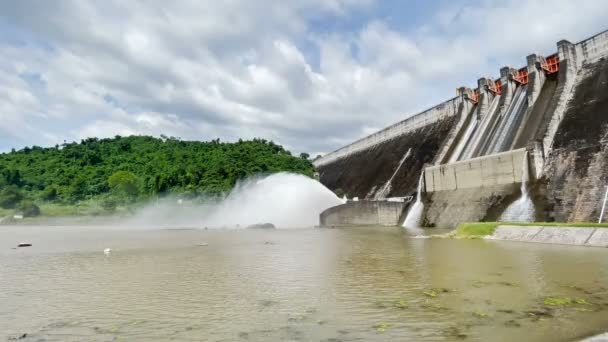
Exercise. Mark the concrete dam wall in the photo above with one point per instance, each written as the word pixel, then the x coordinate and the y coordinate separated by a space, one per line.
pixel 549 118
pixel 389 163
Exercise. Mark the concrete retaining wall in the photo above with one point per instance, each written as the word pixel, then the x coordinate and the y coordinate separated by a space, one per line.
pixel 578 236
pixel 496 169
pixel 363 213
pixel 432 115
pixel 448 209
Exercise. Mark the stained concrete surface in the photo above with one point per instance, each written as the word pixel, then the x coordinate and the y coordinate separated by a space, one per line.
pixel 363 173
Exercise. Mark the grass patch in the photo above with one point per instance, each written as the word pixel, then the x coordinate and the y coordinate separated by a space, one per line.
pixel 479 229
pixel 5 212
pixel 476 229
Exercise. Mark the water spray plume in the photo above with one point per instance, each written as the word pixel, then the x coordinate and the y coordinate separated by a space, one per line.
pixel 283 199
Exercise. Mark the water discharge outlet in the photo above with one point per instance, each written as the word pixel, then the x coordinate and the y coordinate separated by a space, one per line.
pixel 414 216
pixel 603 206
pixel 521 210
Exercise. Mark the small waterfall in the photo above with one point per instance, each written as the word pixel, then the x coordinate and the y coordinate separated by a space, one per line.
pixel 521 210
pixel 412 220
pixel 603 206
pixel 386 188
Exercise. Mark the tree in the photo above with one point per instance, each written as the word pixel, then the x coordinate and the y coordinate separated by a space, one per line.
pixel 78 189
pixel 49 193
pixel 109 204
pixel 74 171
pixel 124 184
pixel 304 156
pixel 10 196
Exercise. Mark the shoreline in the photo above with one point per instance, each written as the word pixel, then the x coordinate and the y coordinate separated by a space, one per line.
pixel 573 234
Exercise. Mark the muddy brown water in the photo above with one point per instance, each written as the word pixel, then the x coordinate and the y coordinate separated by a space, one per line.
pixel 358 284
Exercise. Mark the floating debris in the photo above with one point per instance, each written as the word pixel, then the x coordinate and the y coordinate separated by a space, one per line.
pixel 507 311
pixel 582 301
pixel 381 327
pixel 507 283
pixel 20 337
pixel 557 301
pixel 455 331
pixel 480 314
pixel 402 304
pixel 434 292
pixel 431 293
pixel 434 306
pixel 512 324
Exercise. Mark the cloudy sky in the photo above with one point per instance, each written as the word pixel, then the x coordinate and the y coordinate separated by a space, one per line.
pixel 312 75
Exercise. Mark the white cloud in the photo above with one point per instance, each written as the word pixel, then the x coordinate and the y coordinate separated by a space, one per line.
pixel 233 69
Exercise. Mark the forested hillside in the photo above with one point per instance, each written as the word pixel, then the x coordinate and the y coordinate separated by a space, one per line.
pixel 128 168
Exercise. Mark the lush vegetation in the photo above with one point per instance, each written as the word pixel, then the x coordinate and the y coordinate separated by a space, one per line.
pixel 479 229
pixel 124 170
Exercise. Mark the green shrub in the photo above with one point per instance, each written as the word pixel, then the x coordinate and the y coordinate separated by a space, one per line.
pixel 109 204
pixel 10 197
pixel 124 184
pixel 50 193
pixel 29 209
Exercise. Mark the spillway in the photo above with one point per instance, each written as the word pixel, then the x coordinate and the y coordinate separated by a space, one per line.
pixel 464 140
pixel 537 113
pixel 481 134
pixel 506 129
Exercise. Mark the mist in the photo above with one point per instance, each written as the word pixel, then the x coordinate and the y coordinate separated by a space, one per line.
pixel 286 200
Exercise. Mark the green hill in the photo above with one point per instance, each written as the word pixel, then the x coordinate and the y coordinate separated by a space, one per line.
pixel 127 169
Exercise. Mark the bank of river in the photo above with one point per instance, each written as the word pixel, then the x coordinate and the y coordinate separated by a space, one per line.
pixel 577 234
pixel 300 285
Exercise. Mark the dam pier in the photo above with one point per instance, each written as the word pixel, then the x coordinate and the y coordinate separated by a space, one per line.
pixel 550 115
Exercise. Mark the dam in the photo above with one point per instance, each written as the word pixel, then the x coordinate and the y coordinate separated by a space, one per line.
pixel 544 124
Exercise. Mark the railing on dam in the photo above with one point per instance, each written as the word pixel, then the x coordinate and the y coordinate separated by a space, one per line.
pixel 432 115
pixel 495 169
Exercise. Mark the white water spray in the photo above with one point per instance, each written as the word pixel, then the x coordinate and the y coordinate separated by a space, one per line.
pixel 521 210
pixel 414 215
pixel 603 206
pixel 286 200
pixel 283 199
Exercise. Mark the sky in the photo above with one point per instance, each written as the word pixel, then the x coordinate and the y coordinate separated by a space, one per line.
pixel 311 75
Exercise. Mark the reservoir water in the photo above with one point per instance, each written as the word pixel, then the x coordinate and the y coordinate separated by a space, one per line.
pixel 356 284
